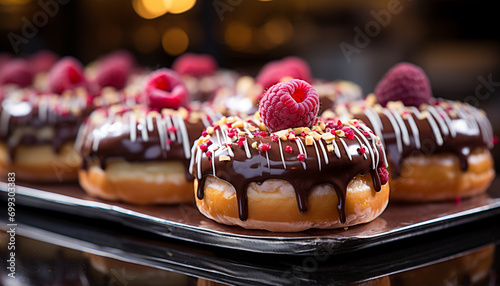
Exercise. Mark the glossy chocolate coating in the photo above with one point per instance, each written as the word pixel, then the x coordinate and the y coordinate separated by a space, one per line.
pixel 335 168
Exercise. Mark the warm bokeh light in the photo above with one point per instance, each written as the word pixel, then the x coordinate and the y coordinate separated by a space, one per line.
pixel 149 9
pixel 275 32
pixel 146 39
pixel 238 36
pixel 14 2
pixel 175 41
pixel 178 6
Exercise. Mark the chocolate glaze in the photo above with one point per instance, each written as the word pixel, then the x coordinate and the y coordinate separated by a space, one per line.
pixel 450 127
pixel 25 112
pixel 111 138
pixel 339 169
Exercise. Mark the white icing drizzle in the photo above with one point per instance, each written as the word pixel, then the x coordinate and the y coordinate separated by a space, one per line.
pixel 133 127
pixel 440 120
pixel 325 155
pixel 198 163
pixel 375 121
pixel 268 164
pixel 177 128
pixel 213 164
pixel 435 130
pixel 366 145
pixel 42 109
pixel 144 131
pixel 281 153
pixel 346 149
pixel 414 130
pixel 168 123
pixel 317 153
pixel 336 149
pixel 162 136
pixel 396 130
pixel 218 136
pixel 447 119
pixel 191 162
pixel 402 125
pixel 149 122
pixel 299 146
pixel 185 137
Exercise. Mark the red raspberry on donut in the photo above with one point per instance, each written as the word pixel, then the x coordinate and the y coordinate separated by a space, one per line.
pixel 405 82
pixel 290 104
pixel 66 74
pixel 195 65
pixel 17 72
pixel 165 89
pixel 114 70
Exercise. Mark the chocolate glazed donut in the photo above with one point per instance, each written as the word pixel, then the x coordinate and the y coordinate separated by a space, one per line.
pixel 441 127
pixel 242 152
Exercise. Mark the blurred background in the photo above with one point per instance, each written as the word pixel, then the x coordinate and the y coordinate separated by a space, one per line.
pixel 456 41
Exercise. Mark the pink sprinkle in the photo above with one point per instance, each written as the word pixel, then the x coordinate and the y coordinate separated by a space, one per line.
pixel 216 127
pixel 240 141
pixel 209 142
pixel 203 147
pixel 169 141
pixel 301 157
pixel 204 133
pixel 361 151
pixel 275 138
pixel 264 147
pixel 289 149
pixel 458 200
pixel 261 133
pixel 229 125
pixel 209 154
pixel 231 134
pixel 172 129
pixel 495 140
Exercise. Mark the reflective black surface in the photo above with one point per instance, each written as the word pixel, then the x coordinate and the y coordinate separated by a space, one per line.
pixel 57 249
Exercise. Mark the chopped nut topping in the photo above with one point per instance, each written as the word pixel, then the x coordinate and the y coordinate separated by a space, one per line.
pixel 328 137
pixel 298 130
pixel 340 133
pixel 224 158
pixel 371 100
pixel 322 125
pixel 315 135
pixel 262 127
pixel 242 133
pixel 309 140
pixel 252 128
pixel 255 145
pixel 210 130
pixel 330 147
pixel 238 124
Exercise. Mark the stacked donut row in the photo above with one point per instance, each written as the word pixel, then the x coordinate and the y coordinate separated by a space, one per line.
pixel 281 151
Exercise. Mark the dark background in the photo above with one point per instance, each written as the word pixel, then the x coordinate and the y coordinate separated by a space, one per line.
pixel 455 41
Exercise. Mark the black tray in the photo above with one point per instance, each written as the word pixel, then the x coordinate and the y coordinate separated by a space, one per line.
pixel 184 222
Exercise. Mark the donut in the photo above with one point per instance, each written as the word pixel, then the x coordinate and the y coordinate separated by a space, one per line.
pixel 140 154
pixel 39 124
pixel 437 149
pixel 202 75
pixel 287 174
pixel 333 93
pixel 239 100
pixel 37 133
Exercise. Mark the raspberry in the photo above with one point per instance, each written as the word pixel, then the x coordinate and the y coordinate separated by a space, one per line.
pixel 290 104
pixel 273 72
pixel 42 61
pixel 264 147
pixel 383 174
pixel 301 157
pixel 114 69
pixel 405 82
pixel 203 147
pixel 195 65
pixel 17 72
pixel 66 74
pixel 164 89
